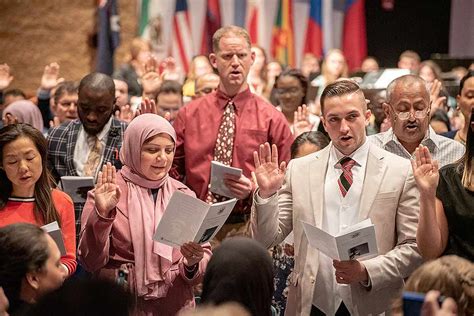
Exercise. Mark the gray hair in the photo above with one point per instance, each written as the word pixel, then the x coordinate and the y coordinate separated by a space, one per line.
pixel 404 80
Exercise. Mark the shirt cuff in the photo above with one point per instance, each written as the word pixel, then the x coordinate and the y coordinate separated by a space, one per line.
pixel 261 200
pixel 44 94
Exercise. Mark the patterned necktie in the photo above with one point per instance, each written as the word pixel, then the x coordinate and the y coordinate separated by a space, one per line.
pixel 224 145
pixel 345 180
pixel 93 159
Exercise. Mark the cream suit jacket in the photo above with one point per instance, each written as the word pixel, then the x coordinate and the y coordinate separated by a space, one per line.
pixel 389 198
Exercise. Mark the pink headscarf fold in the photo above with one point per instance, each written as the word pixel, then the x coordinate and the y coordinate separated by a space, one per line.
pixel 144 215
pixel 26 112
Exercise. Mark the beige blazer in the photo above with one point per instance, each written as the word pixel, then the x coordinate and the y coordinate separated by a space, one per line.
pixel 389 198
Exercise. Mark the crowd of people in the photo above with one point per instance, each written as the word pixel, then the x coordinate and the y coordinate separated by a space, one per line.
pixel 313 147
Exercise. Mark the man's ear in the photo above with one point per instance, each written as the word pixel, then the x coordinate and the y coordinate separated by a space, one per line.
pixel 368 115
pixel 32 279
pixel 213 60
pixel 386 110
pixel 252 56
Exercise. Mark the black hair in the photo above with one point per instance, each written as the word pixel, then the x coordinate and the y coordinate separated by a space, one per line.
pixel 313 137
pixel 23 248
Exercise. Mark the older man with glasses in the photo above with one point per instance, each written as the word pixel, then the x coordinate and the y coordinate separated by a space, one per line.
pixel 408 109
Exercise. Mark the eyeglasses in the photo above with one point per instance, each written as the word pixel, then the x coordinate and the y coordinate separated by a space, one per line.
pixel 293 90
pixel 420 114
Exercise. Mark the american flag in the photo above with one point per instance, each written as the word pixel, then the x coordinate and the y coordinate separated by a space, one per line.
pixel 182 43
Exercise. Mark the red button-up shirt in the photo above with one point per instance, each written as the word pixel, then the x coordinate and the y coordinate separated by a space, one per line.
pixel 197 125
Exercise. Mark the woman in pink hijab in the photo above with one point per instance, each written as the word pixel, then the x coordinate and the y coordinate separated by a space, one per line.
pixel 23 111
pixel 122 213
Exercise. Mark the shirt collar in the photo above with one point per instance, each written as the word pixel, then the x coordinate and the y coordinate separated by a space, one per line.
pixel 239 99
pixel 359 155
pixel 430 140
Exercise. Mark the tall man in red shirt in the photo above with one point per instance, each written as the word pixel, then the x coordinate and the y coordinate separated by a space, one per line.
pixel 227 125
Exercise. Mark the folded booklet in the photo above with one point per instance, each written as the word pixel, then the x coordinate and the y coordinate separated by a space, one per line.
pixel 218 171
pixel 355 242
pixel 77 187
pixel 187 218
pixel 55 232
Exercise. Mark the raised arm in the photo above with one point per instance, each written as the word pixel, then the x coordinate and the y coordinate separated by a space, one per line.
pixel 432 233
pixel 97 220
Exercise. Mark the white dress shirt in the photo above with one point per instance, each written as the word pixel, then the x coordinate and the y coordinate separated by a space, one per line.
pixel 83 147
pixel 339 213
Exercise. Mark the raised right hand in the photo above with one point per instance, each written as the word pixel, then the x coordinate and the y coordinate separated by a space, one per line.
pixel 425 170
pixel 50 77
pixel 5 76
pixel 268 174
pixel 107 192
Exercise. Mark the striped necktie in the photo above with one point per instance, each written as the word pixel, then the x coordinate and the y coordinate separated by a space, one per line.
pixel 345 180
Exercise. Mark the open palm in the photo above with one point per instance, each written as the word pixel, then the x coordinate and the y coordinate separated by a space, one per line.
pixel 425 170
pixel 107 193
pixel 268 174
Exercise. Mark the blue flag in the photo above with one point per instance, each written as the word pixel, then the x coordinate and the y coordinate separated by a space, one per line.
pixel 108 36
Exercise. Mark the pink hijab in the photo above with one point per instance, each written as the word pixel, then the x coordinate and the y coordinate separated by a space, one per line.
pixel 26 112
pixel 144 214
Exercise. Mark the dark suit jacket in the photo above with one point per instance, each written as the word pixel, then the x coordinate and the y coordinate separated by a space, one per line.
pixel 61 144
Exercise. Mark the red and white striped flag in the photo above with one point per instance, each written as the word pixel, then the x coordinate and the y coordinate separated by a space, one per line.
pixel 182 45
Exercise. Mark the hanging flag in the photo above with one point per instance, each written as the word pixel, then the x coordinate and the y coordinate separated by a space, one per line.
pixel 314 34
pixel 108 36
pixel 282 33
pixel 182 46
pixel 252 21
pixel 212 23
pixel 354 42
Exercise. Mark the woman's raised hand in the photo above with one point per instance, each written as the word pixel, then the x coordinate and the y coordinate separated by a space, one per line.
pixel 425 170
pixel 107 193
pixel 268 174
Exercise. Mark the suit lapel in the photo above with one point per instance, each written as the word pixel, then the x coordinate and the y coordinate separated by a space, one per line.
pixel 70 146
pixel 374 174
pixel 317 174
pixel 113 136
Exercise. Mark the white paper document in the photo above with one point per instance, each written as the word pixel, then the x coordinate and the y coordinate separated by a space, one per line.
pixel 77 187
pixel 218 170
pixel 355 242
pixel 189 219
pixel 55 232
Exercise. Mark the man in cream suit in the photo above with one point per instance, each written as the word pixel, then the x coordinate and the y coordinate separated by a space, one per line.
pixel 335 188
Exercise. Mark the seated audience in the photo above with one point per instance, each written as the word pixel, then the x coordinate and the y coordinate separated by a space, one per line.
pixel 446 202
pixel 240 270
pixel 120 217
pixel 23 111
pixel 80 297
pixel 30 265
pixel 26 187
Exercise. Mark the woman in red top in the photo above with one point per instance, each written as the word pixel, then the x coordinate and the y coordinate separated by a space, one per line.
pixel 26 193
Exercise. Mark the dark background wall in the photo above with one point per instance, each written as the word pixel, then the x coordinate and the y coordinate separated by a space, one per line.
pixel 419 25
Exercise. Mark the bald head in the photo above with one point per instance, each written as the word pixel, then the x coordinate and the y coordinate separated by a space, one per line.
pixel 407 83
pixel 97 82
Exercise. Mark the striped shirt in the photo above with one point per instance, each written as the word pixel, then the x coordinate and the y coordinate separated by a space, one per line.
pixel 443 149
